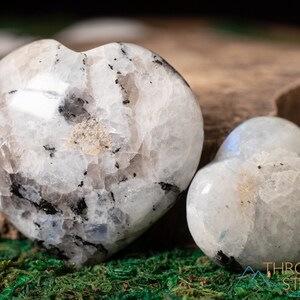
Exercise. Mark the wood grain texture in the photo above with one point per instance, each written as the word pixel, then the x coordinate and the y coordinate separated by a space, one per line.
pixel 234 78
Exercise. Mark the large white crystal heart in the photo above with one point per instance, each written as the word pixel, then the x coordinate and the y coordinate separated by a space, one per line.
pixel 244 207
pixel 95 146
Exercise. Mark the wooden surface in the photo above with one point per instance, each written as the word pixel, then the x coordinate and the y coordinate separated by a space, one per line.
pixel 234 78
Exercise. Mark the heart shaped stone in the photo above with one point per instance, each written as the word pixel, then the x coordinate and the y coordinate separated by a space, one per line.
pixel 94 146
pixel 243 208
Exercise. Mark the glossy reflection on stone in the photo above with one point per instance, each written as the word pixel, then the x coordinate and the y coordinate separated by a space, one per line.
pixel 243 208
pixel 94 146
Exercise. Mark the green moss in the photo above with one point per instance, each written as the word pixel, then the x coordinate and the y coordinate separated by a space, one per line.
pixel 29 273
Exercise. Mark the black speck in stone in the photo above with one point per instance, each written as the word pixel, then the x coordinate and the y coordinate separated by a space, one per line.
pixel 15 189
pixel 115 59
pixel 165 64
pixel 157 61
pixel 259 167
pixel 126 101
pixel 112 196
pixel 154 208
pixel 73 109
pixel 100 247
pixel 169 187
pixel 81 184
pixel 40 61
pixel 117 165
pixel 123 179
pixel 85 173
pixel 119 73
pixel 37 224
pixel 281 164
pixel 79 207
pixel 47 207
pixel 134 174
pixel 151 82
pixel 116 81
pixel 12 91
pixel 21 188
pixel 49 147
pixel 116 150
pixel 123 50
pixel 56 61
pixel 111 67
pixel 80 100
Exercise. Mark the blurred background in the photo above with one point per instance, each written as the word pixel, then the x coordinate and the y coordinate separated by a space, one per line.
pixel 277 11
pixel 46 18
pixel 30 20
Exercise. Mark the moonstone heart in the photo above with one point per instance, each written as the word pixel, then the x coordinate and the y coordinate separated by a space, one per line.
pixel 243 208
pixel 95 146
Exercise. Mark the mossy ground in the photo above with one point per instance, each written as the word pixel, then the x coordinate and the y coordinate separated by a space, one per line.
pixel 27 272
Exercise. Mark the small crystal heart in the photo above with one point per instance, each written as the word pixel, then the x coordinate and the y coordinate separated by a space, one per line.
pixel 94 146
pixel 243 208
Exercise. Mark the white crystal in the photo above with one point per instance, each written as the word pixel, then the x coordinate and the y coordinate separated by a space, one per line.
pixel 246 202
pixel 94 146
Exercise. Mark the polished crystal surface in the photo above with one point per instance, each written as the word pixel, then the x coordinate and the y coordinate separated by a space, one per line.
pixel 245 204
pixel 94 146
